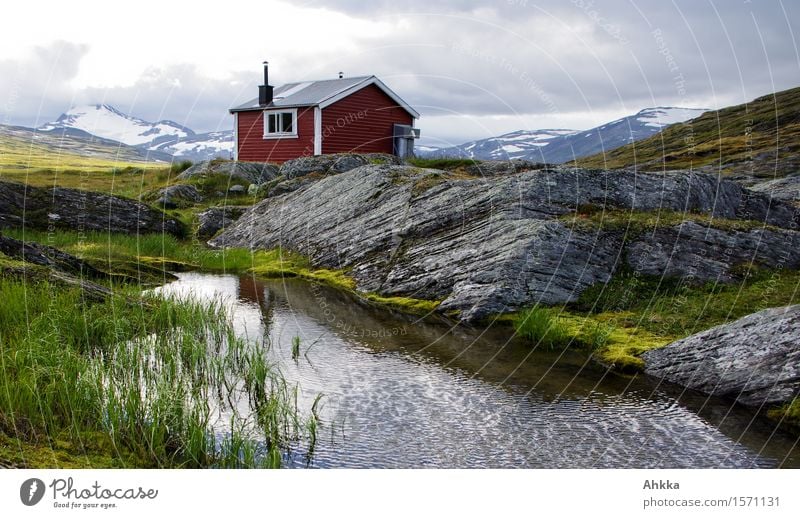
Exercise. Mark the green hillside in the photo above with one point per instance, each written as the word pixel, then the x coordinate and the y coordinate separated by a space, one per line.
pixel 22 149
pixel 760 139
pixel 45 160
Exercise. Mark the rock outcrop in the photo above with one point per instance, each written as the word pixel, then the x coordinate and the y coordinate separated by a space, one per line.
pixel 490 245
pixel 784 189
pixel 36 262
pixel 71 209
pixel 332 164
pixel 179 195
pixel 47 256
pixel 694 251
pixel 755 360
pixel 251 172
pixel 214 219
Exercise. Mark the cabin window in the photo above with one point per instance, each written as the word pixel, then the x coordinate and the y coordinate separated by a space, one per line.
pixel 280 123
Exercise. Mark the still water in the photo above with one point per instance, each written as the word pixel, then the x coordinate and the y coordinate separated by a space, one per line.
pixel 400 392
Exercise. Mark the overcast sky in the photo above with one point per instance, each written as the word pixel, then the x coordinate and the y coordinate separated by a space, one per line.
pixel 472 68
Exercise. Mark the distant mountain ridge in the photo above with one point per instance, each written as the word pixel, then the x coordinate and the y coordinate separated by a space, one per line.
pixel 563 145
pixel 509 146
pixel 755 140
pixel 79 143
pixel 164 137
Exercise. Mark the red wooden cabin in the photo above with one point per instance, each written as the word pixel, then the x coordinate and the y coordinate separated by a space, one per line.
pixel 354 114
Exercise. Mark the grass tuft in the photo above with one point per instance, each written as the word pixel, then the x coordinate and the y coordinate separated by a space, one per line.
pixel 541 326
pixel 141 380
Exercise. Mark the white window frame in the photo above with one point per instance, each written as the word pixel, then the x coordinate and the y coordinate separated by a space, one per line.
pixel 293 133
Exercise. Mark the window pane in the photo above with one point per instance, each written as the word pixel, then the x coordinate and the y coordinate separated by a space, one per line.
pixel 287 122
pixel 272 126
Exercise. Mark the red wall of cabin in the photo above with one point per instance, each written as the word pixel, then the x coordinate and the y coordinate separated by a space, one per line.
pixel 361 122
pixel 253 147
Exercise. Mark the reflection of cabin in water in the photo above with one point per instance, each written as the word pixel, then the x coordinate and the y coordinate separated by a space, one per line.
pixel 354 114
pixel 254 291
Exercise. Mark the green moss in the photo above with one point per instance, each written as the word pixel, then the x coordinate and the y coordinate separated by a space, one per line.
pixel 788 414
pixel 427 182
pixel 442 163
pixel 405 304
pixel 91 452
pixel 612 340
pixel 634 222
pixel 669 307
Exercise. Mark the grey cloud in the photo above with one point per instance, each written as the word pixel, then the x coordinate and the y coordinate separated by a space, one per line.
pixel 484 58
pixel 178 93
pixel 38 84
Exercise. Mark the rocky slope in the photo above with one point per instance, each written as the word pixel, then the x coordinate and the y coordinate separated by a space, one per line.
pixel 755 360
pixel 71 209
pixel 491 245
pixel 758 140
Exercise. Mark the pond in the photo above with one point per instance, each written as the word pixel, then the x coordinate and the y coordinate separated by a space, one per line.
pixel 402 392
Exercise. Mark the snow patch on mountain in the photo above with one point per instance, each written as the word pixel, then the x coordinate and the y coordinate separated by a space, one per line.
pixel 517 144
pixel 664 116
pixel 200 147
pixel 107 122
pixel 559 146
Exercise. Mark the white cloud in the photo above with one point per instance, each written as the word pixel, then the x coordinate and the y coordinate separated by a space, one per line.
pixel 470 67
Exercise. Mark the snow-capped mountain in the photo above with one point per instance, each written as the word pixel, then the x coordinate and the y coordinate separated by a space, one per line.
pixel 106 122
pixel 558 146
pixel 517 144
pixel 200 147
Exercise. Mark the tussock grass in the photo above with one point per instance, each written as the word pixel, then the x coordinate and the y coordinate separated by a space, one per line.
pixel 542 327
pixel 442 163
pixel 146 379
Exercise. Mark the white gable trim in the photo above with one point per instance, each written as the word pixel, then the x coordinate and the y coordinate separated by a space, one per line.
pixel 236 136
pixel 317 130
pixel 369 81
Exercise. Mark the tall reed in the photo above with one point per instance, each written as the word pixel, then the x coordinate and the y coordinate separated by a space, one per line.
pixel 164 381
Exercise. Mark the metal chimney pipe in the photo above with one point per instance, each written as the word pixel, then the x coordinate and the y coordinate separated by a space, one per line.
pixel 265 91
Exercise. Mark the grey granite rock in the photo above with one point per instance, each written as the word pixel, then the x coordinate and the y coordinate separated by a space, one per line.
pixel 43 255
pixel 784 189
pixel 179 195
pixel 71 209
pixel 214 219
pixel 332 164
pixel 497 167
pixel 482 245
pixel 755 360
pixel 251 172
pixel 694 251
